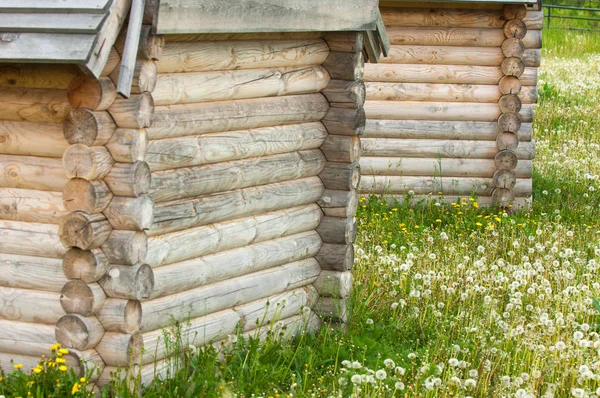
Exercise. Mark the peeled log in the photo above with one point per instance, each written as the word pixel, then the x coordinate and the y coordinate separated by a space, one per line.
pixel 437 149
pixel 532 58
pixel 31 306
pixel 128 145
pixel 87 196
pixel 24 338
pixel 507 140
pixel 226 176
pixel 233 263
pixel 350 42
pixel 91 93
pixel 340 230
pixel 513 48
pixel 341 176
pixel 459 74
pixel 506 159
pixel 33 139
pixel 505 179
pixel 339 203
pixel 204 300
pixel 336 257
pixel 131 214
pixel 225 55
pixel 120 349
pixel 33 105
pixel 87 265
pixel 128 282
pixel 434 185
pixel 510 122
pixel 200 241
pixel 31 172
pixel 196 332
pixel 125 247
pixel 510 103
pixel 135 112
pixel 433 54
pixel 340 148
pixel 78 297
pixel 347 93
pixel 190 119
pixel 89 163
pixel 123 316
pixel 17 271
pixel 345 121
pixel 345 66
pixel 150 46
pixel 114 59
pixel 513 67
pixel 434 129
pixel 79 332
pixel 194 87
pixel 131 180
pixel 188 151
pixel 32 239
pixel 85 363
pixel 31 205
pixel 32 75
pixel 514 11
pixel 144 77
pixel 187 213
pixel 334 284
pixel 84 126
pixel 515 28
pixel 436 166
pixel 83 230
pixel 443 92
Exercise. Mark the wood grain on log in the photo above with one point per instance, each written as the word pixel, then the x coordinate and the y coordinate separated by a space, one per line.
pixel 91 93
pixel 135 112
pixel 32 172
pixel 341 148
pixel 79 332
pixel 345 66
pixel 341 230
pixel 30 239
pixel 125 247
pixel 33 306
pixel 349 93
pixel 144 77
pixel 341 176
pixel 78 297
pixel 336 257
pixel 349 42
pixel 123 316
pixel 129 179
pixel 84 126
pixel 33 139
pixel 128 282
pixel 31 205
pixel 334 284
pixel 337 203
pixel 128 145
pixel 87 196
pixel 18 271
pixel 85 231
pixel 121 349
pixel 87 265
pixel 131 214
pixel 343 121
pixel 33 105
pixel 89 163
pixel 24 338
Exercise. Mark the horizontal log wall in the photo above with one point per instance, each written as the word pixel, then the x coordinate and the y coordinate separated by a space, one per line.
pixel 33 106
pixel 452 103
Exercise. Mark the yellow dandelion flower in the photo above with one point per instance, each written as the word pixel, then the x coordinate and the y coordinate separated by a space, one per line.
pixel 472 200
pixel 438 220
pixel 63 351
pixel 18 366
pixel 82 380
pixel 37 370
pixel 62 368
pixel 478 224
pixel 498 219
pixel 75 388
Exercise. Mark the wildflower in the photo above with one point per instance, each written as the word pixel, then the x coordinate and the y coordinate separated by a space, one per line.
pixel 355 379
pixel 381 374
pixel 356 365
pixel 346 363
pixel 63 351
pixel 63 368
pixel 18 366
pixel 369 321
pixel 453 362
pixel 389 363
pixel 400 386
pixel 75 388
pixel 470 383
pixel 400 371
pixel 37 370
pixel 412 355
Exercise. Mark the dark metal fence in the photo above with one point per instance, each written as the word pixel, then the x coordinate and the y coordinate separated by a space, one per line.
pixel 561 12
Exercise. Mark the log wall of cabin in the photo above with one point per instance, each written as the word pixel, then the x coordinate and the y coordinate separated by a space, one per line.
pixel 449 110
pixel 33 105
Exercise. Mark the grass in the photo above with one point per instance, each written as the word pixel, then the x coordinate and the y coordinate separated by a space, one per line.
pixel 454 300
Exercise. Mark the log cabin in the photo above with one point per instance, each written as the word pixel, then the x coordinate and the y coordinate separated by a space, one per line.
pixel 181 162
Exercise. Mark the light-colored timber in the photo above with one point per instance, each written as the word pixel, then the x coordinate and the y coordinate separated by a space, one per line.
pixel 341 176
pixel 233 263
pixel 26 305
pixel 340 230
pixel 129 179
pixel 79 332
pixel 85 231
pixel 226 55
pixel 91 93
pixel 337 203
pixel 242 36
pixel 341 148
pixel 510 103
pixel 225 176
pixel 118 315
pixel 193 87
pixel 31 205
pixel 78 297
pixel 334 284
pixel 350 93
pixel 86 265
pixel 37 75
pixel 89 163
pixel 113 60
pixel 128 282
pixel 144 77
pixel 31 172
pixel 121 349
pixel 23 338
pixel 131 214
pixel 187 213
pixel 18 271
pixel 189 151
pixel 30 239
pixel 33 105
pixel 134 112
pixel 128 145
pixel 193 303
pixel 92 128
pixel 150 46
pixel 87 196
pixel 513 66
pixel 32 139
pixel 306 322
pixel 349 42
pixel 510 85
pixel 125 247
pixel 190 119
pixel 200 241
pixel 344 121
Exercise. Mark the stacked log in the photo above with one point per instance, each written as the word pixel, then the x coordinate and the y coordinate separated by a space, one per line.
pixel 110 211
pixel 345 122
pixel 33 105
pixel 452 104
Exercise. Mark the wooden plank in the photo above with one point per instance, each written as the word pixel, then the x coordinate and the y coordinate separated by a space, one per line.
pixel 215 16
pixel 67 6
pixel 45 47
pixel 130 50
pixel 51 23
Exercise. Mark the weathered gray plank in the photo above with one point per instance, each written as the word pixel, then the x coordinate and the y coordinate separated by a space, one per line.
pixel 51 23
pixel 45 47
pixel 73 6
pixel 218 16
pixel 382 33
pixel 471 1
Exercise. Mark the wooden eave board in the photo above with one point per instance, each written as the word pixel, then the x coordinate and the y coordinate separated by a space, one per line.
pixel 52 6
pixel 466 1
pixel 51 22
pixel 45 47
pixel 245 16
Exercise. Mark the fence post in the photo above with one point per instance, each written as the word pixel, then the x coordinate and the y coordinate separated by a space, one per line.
pixel 549 13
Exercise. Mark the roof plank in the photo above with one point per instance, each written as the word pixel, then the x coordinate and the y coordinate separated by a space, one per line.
pixel 234 16
pixel 51 23
pixel 38 6
pixel 44 47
